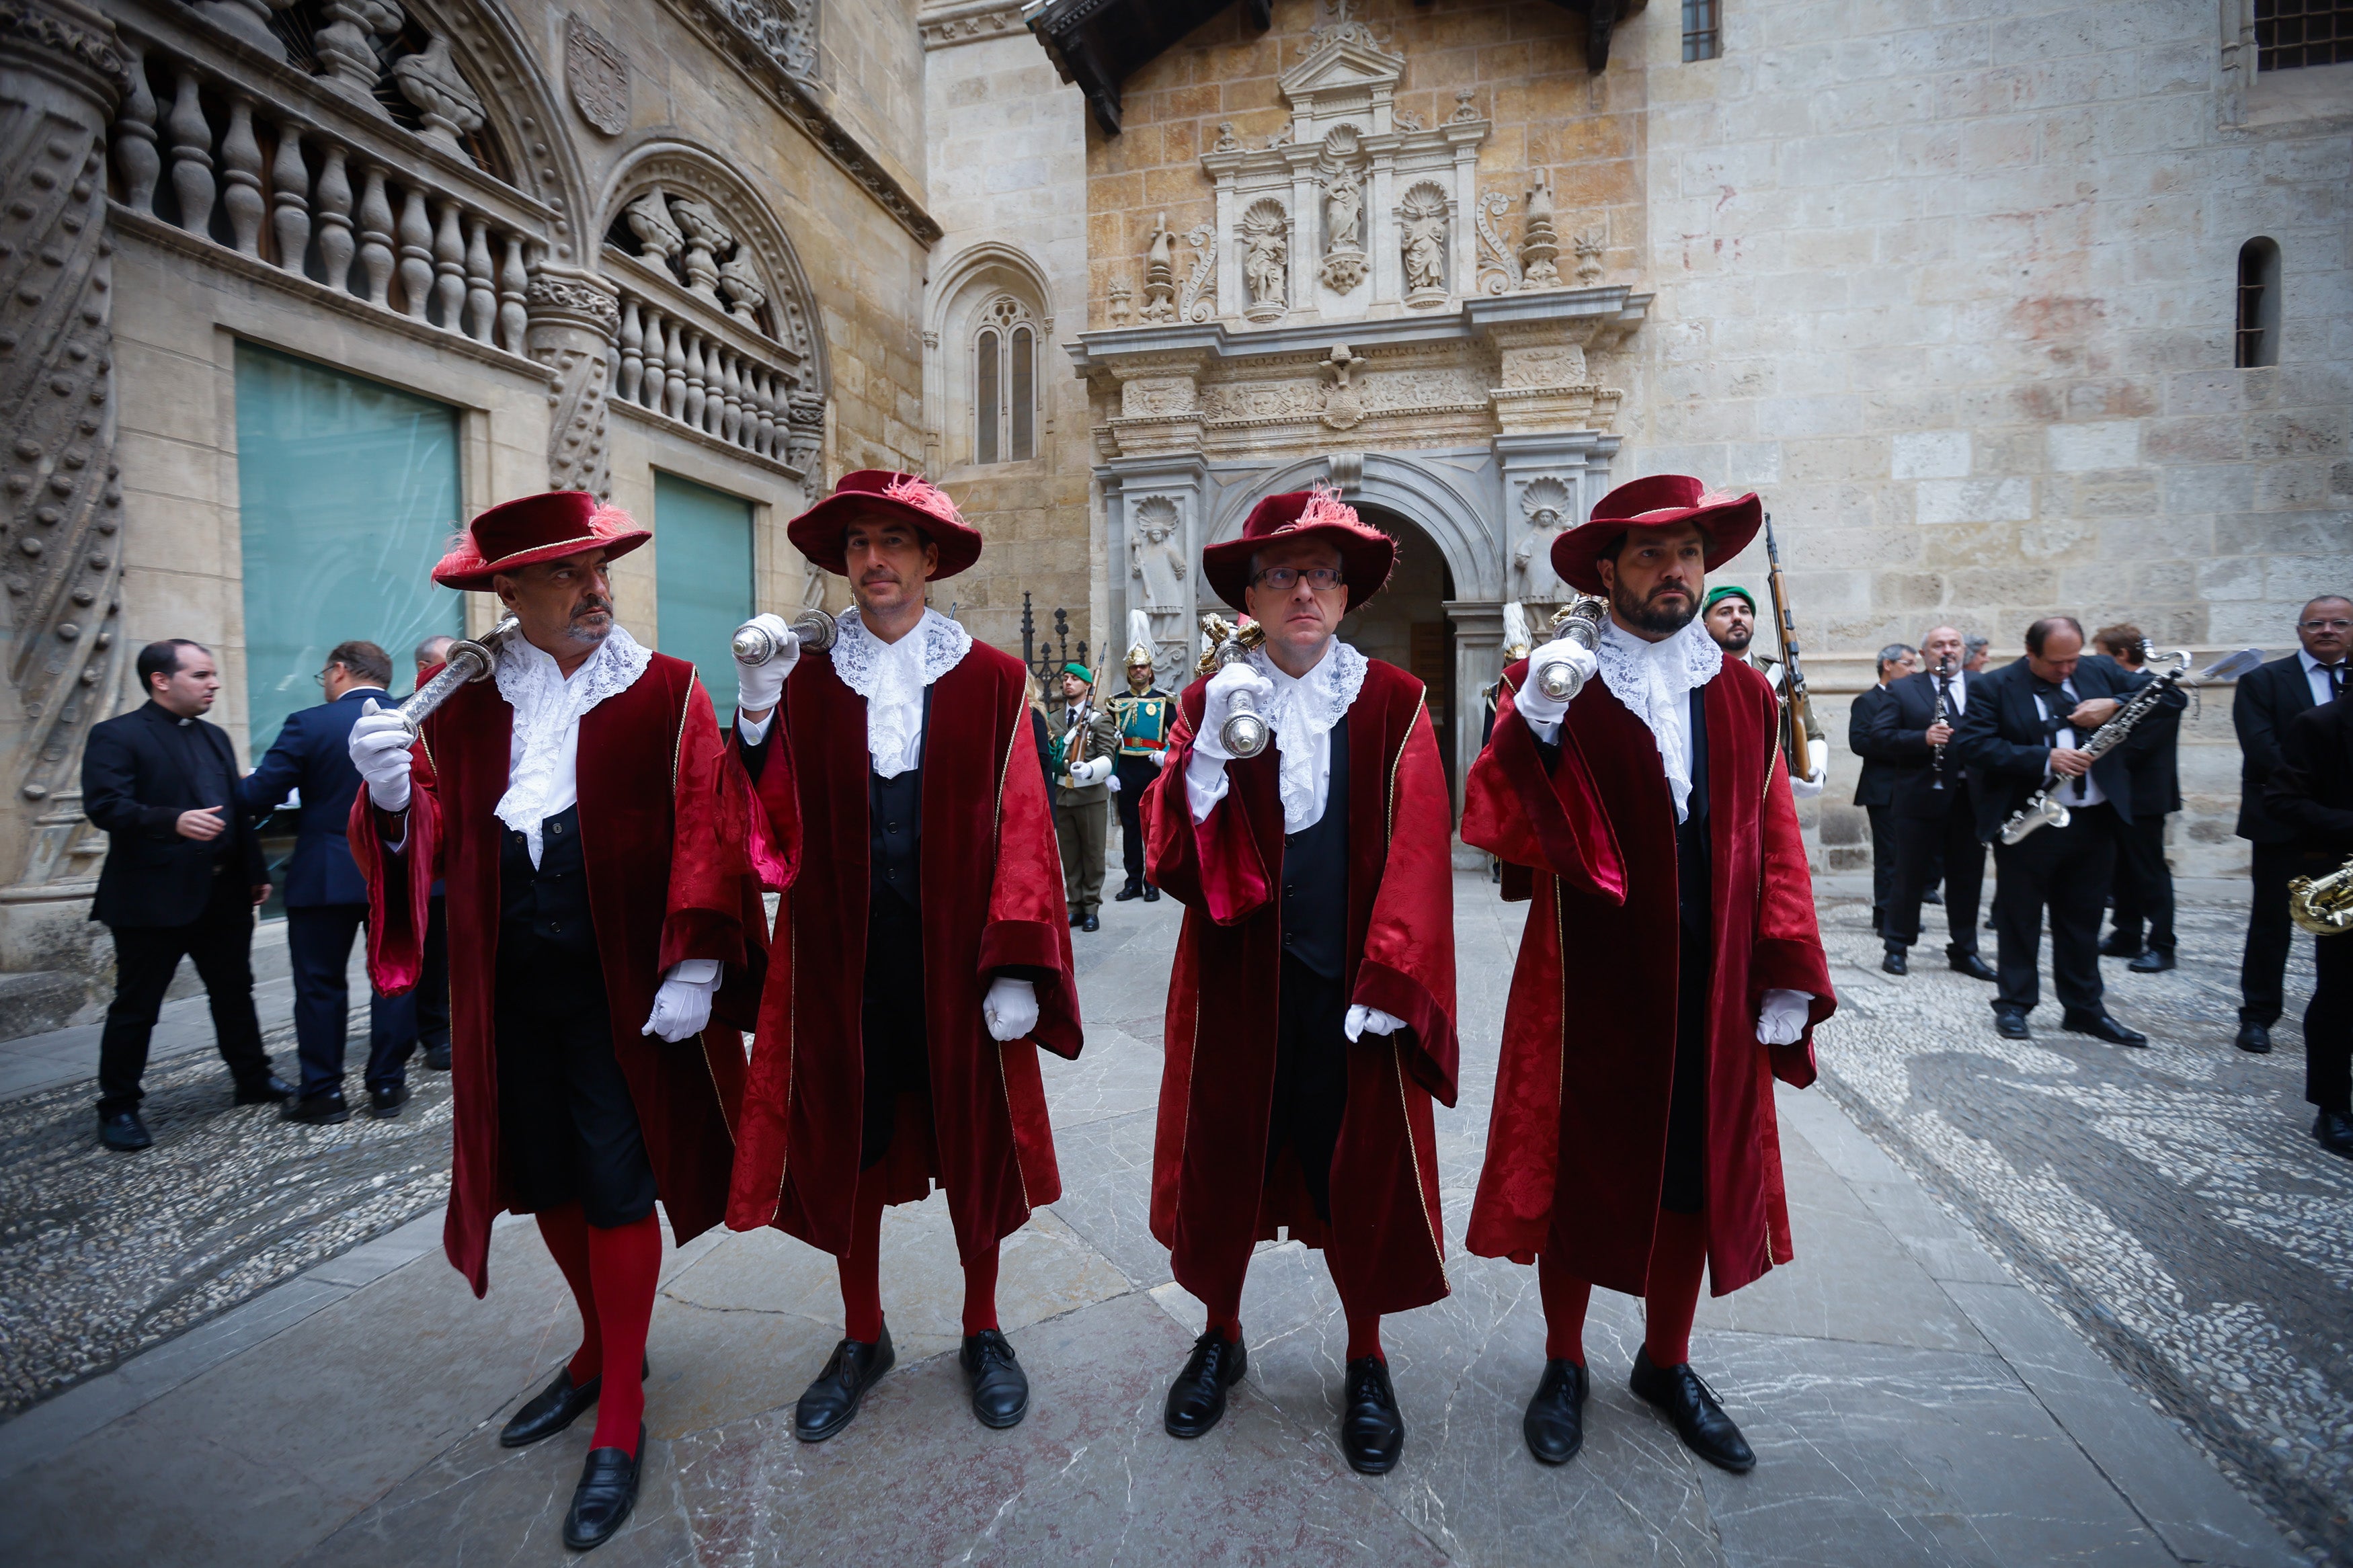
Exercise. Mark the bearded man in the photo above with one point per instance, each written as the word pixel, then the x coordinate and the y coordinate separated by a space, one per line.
pixel 921 951
pixel 1310 1011
pixel 1632 1140
pixel 598 894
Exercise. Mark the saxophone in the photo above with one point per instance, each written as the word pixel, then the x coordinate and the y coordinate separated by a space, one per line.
pixel 2323 905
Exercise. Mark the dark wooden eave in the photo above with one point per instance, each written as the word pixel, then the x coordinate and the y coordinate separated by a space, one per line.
pixel 1099 44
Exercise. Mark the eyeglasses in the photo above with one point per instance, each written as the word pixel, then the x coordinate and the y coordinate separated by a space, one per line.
pixel 2325 625
pixel 1281 579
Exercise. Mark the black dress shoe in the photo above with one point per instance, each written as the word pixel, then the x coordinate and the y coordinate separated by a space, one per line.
pixel 607 1492
pixel 2100 1026
pixel 436 1059
pixel 2119 946
pixel 1126 893
pixel 1971 964
pixel 1197 1398
pixel 550 1410
pixel 1372 1433
pixel 1554 1424
pixel 1091 923
pixel 123 1132
pixel 1151 894
pixel 1693 1406
pixel 386 1102
pixel 2335 1132
pixel 1893 963
pixel 1933 897
pixel 1076 917
pixel 2255 1039
pixel 2152 961
pixel 2010 1023
pixel 317 1110
pixel 264 1091
pixel 835 1396
pixel 1000 1389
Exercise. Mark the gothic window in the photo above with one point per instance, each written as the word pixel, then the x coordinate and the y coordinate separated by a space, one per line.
pixel 1005 384
pixel 1703 29
pixel 2291 33
pixel 2258 304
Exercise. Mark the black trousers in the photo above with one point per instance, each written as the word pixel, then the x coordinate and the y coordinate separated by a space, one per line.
pixel 428 1005
pixel 1922 845
pixel 2263 968
pixel 1135 775
pixel 2066 869
pixel 2328 1025
pixel 319 944
pixel 891 1017
pixel 2144 883
pixel 1883 863
pixel 1311 1078
pixel 220 941
pixel 1682 1188
pixel 568 1129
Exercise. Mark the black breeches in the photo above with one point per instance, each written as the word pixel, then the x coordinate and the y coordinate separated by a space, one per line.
pixel 1311 1078
pixel 568 1127
pixel 891 1020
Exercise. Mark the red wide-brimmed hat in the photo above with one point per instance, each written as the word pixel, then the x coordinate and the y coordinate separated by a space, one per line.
pixel 818 532
pixel 529 529
pixel 1661 500
pixel 1366 553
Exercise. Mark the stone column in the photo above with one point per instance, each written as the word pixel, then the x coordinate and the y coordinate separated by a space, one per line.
pixel 572 323
pixel 62 74
pixel 1478 660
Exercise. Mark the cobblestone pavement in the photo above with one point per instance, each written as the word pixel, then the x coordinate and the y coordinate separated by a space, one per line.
pixel 102 1255
pixel 2169 1201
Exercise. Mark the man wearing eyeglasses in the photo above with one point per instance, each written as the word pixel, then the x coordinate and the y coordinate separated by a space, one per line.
pixel 2266 701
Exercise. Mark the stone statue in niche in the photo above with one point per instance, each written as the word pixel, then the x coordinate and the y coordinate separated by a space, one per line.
pixel 1155 560
pixel 1546 504
pixel 1421 230
pixel 1266 260
pixel 1344 212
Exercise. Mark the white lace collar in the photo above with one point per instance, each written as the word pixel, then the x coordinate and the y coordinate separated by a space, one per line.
pixel 1305 710
pixel 891 676
pixel 1655 680
pixel 547 708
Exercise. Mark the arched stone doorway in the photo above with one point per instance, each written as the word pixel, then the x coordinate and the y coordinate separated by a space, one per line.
pixel 1407 624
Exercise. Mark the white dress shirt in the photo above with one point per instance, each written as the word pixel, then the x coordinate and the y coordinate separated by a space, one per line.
pixel 543 747
pixel 1300 719
pixel 891 676
pixel 2083 791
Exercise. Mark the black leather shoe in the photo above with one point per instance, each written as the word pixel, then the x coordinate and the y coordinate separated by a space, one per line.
pixel 550 1410
pixel 1372 1433
pixel 1151 894
pixel 2335 1132
pixel 833 1399
pixel 1554 1424
pixel 2100 1026
pixel 2152 961
pixel 1076 917
pixel 1894 963
pixel 2010 1023
pixel 265 1090
pixel 1126 893
pixel 317 1110
pixel 1197 1398
pixel 2119 946
pixel 2255 1039
pixel 1971 964
pixel 436 1059
pixel 1091 923
pixel 1000 1389
pixel 607 1492
pixel 1933 896
pixel 123 1132
pixel 386 1102
pixel 1693 1406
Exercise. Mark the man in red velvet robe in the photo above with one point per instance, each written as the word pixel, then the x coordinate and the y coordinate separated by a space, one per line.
pixel 1670 967
pixel 1310 1011
pixel 920 955
pixel 597 892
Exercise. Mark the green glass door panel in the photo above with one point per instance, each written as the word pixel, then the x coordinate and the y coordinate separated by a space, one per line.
pixel 702 557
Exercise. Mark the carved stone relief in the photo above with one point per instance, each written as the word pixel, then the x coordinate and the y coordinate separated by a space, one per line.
pixel 1266 259
pixel 1538 243
pixel 1342 410
pixel 574 321
pixel 599 74
pixel 1549 507
pixel 1160 275
pixel 1421 237
pixel 430 82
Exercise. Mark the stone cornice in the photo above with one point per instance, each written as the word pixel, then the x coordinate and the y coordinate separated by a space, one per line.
pixel 969 22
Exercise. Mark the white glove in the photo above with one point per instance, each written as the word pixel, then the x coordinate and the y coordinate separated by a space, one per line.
pixel 1010 1009
pixel 757 686
pixel 1093 771
pixel 1543 712
pixel 1818 759
pixel 1363 1020
pixel 380 747
pixel 682 1006
pixel 1782 1017
pixel 1114 783
pixel 1218 706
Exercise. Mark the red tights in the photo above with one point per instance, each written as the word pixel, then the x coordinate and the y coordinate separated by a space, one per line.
pixel 1364 1327
pixel 612 1275
pixel 1670 1295
pixel 862 1272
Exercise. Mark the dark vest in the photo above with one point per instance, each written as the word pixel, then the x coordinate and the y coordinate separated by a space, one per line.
pixel 549 902
pixel 894 829
pixel 1315 877
pixel 1694 857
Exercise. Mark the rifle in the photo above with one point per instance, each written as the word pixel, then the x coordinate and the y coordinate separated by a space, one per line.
pixel 1796 711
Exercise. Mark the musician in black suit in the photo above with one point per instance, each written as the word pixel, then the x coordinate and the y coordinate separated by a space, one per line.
pixel 2023 722
pixel 2312 792
pixel 2267 700
pixel 2144 885
pixel 326 897
pixel 1875 790
pixel 183 875
pixel 1934 807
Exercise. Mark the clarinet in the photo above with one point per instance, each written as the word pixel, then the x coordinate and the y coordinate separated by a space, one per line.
pixel 1944 674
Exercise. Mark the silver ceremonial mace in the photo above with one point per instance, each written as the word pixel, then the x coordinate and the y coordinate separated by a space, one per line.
pixel 469 660
pixel 1244 733
pixel 1580 623
pixel 754 644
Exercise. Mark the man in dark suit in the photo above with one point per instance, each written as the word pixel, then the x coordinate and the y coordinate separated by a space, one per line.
pixel 1934 807
pixel 2022 722
pixel 2267 700
pixel 2312 791
pixel 1875 790
pixel 429 1003
pixel 182 877
pixel 326 897
pixel 2143 885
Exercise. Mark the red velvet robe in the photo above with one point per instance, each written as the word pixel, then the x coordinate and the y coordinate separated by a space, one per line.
pixel 992 898
pixel 1576 1141
pixel 1212 1194
pixel 663 836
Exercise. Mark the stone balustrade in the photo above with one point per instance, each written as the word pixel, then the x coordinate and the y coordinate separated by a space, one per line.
pixel 704 369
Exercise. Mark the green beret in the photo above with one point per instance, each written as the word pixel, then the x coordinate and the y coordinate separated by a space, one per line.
pixel 1729 591
pixel 1081 671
